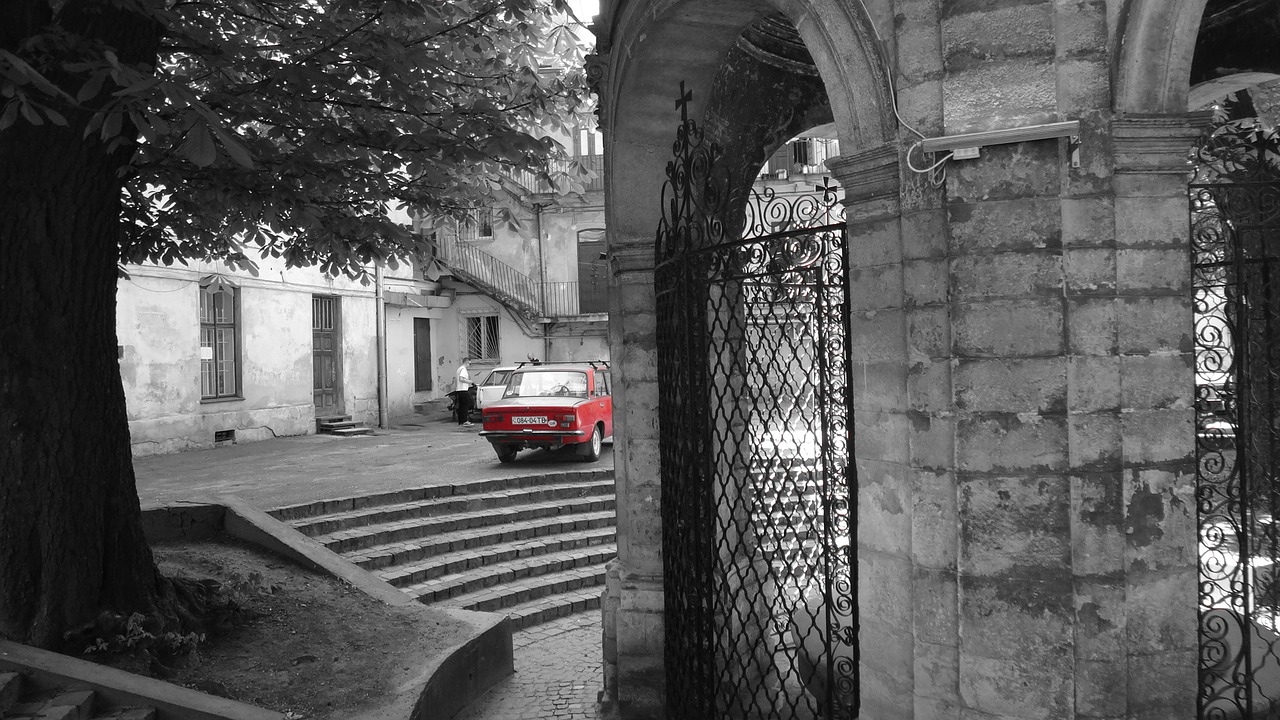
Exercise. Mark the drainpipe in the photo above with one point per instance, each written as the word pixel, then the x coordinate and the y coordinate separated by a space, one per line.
pixel 381 333
pixel 542 277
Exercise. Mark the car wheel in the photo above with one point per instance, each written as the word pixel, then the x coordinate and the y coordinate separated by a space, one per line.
pixel 505 454
pixel 590 450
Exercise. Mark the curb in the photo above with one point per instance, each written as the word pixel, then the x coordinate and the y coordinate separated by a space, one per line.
pixel 117 687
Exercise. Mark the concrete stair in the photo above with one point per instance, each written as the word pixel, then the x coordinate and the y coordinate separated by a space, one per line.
pixel 533 547
pixel 342 426
pixel 21 701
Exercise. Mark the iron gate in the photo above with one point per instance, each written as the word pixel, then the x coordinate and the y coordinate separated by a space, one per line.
pixel 1235 230
pixel 758 491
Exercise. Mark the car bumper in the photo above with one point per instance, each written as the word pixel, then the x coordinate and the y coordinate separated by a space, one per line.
pixel 527 435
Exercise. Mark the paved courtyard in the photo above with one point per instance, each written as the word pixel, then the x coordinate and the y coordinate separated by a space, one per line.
pixel 558 674
pixel 558 664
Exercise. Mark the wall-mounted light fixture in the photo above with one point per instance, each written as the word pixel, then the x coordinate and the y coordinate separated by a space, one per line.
pixel 968 145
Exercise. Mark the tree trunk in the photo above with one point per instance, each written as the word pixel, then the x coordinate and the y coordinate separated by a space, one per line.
pixel 71 543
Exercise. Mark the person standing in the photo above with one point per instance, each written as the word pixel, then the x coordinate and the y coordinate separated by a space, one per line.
pixel 462 394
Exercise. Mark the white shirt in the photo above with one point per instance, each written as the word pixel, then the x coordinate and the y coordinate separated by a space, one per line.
pixel 462 381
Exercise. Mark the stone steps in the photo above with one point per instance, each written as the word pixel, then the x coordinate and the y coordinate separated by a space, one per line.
pixel 532 547
pixel 506 573
pixel 17 702
pixel 335 522
pixel 457 562
pixel 530 589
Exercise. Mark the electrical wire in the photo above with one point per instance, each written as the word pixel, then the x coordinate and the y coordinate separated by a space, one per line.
pixel 937 172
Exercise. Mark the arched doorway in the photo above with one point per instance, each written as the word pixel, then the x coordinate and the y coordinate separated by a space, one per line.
pixel 758 481
pixel 754 75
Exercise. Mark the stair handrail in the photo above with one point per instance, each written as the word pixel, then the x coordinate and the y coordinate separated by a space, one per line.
pixel 496 277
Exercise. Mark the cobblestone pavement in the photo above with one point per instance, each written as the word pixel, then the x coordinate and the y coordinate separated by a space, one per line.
pixel 558 674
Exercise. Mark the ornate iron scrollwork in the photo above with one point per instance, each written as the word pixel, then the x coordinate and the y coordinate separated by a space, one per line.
pixel 758 488
pixel 1235 234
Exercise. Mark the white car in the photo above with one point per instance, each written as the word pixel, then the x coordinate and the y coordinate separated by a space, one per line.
pixel 490 389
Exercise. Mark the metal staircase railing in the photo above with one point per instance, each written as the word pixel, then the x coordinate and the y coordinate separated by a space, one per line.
pixel 508 285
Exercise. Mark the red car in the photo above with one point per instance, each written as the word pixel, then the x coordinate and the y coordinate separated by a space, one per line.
pixel 552 405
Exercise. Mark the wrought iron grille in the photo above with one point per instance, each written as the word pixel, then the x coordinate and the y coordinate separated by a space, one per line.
pixel 758 490
pixel 1235 231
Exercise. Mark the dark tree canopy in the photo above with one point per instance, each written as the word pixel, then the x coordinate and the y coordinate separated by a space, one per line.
pixel 135 130
pixel 291 126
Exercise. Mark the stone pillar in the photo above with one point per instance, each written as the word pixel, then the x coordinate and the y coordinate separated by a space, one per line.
pixel 1154 374
pixel 881 428
pixel 637 686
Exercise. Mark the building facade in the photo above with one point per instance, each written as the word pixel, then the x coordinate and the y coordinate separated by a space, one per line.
pixel 213 355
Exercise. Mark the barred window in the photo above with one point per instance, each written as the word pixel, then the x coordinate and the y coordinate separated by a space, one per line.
pixel 482 338
pixel 219 349
pixel 478 225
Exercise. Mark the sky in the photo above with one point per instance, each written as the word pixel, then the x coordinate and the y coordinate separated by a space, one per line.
pixel 585 9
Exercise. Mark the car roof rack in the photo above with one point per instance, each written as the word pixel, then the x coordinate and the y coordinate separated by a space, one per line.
pixel 597 364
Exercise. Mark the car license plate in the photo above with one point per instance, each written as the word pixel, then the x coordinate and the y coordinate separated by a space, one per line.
pixel 529 420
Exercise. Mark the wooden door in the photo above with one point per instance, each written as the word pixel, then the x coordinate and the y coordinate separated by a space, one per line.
pixel 325 358
pixel 422 369
pixel 593 278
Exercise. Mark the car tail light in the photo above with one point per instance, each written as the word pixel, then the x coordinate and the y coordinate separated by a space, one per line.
pixel 567 420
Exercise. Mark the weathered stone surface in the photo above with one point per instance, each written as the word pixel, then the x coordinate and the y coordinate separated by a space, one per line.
pixel 1093 384
pixel 934 606
pixel 928 334
pixel 929 386
pixel 1088 222
pixel 1157 382
pixel 881 435
pixel 1151 271
pixel 1152 221
pixel 924 234
pixel 1158 436
pixel 877 336
pixel 1161 685
pixel 1009 524
pixel 1089 271
pixel 935 522
pixel 1097 525
pixel 1019 224
pixel 1101 620
pixel 932 441
pixel 1092 326
pixel 1011 443
pixel 1002 275
pixel 1011 385
pixel 924 282
pixel 1160 521
pixel 1095 441
pixel 874 242
pixel 1008 328
pixel 1161 610
pixel 937 669
pixel 876 287
pixel 1008 172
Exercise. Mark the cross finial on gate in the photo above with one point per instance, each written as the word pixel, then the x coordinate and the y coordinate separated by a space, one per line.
pixel 686 97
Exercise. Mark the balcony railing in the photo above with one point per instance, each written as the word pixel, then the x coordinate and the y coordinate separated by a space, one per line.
pixel 571 298
pixel 531 182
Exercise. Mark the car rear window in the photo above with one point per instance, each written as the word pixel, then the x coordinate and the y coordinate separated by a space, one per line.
pixel 497 377
pixel 547 383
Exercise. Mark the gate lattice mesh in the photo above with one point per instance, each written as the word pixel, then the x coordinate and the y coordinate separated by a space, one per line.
pixel 1235 216
pixel 758 487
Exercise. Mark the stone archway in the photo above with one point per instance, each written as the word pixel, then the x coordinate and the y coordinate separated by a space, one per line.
pixel 650 48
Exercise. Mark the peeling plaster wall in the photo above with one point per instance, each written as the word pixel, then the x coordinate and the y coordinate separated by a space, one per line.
pixel 159 333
